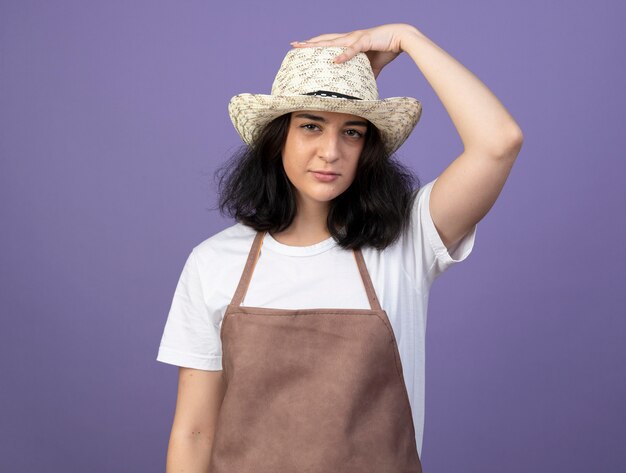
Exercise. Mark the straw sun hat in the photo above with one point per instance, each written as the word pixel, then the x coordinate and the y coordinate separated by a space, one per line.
pixel 309 80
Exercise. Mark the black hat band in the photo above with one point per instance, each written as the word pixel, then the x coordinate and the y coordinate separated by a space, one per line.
pixel 335 95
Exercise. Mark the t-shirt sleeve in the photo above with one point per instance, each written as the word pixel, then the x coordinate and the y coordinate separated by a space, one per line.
pixel 191 337
pixel 432 256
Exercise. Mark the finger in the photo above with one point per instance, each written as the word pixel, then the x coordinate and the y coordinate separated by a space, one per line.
pixel 332 39
pixel 352 50
pixel 347 54
pixel 321 43
pixel 328 36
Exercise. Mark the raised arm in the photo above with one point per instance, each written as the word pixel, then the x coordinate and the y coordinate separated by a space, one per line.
pixel 467 189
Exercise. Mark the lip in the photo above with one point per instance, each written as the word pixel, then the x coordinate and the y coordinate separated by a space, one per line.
pixel 326 172
pixel 325 176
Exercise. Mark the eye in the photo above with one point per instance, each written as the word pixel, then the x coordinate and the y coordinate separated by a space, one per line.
pixel 354 133
pixel 307 125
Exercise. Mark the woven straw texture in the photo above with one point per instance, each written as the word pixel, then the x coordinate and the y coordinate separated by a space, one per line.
pixel 309 70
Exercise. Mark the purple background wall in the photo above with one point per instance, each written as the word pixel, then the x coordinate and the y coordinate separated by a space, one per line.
pixel 113 119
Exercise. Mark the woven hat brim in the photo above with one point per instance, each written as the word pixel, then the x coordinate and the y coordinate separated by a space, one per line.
pixel 395 117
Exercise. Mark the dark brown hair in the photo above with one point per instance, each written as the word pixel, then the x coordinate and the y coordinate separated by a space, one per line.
pixel 255 190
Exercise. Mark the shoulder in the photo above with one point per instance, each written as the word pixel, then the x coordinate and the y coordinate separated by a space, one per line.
pixel 411 251
pixel 232 241
pixel 230 237
pixel 218 260
pixel 423 192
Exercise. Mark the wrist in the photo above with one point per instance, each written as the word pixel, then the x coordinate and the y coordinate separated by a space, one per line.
pixel 409 34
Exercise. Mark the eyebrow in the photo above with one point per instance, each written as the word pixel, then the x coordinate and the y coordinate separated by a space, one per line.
pixel 323 120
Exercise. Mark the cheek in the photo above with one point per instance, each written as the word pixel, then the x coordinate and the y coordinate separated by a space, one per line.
pixel 293 156
pixel 354 165
pixel 290 165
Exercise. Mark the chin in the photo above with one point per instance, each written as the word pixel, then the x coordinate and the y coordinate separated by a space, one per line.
pixel 330 197
pixel 323 196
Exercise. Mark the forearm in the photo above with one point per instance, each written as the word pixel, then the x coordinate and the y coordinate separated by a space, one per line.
pixel 481 120
pixel 188 453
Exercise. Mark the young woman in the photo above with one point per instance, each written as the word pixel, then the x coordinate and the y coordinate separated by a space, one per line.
pixel 334 252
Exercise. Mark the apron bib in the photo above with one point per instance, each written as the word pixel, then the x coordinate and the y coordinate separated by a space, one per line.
pixel 311 390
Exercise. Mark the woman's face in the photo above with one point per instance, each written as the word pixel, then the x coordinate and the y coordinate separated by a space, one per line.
pixel 327 142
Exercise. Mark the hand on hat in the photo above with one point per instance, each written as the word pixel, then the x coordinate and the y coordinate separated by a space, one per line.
pixel 382 44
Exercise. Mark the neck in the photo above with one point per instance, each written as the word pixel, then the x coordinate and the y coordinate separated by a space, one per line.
pixel 308 226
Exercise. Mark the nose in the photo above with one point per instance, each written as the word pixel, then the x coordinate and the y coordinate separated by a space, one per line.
pixel 329 147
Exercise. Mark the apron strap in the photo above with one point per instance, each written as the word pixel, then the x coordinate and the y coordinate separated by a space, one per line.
pixel 367 282
pixel 253 257
pixel 244 281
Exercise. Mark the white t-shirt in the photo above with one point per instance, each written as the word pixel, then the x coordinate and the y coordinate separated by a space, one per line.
pixel 316 276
